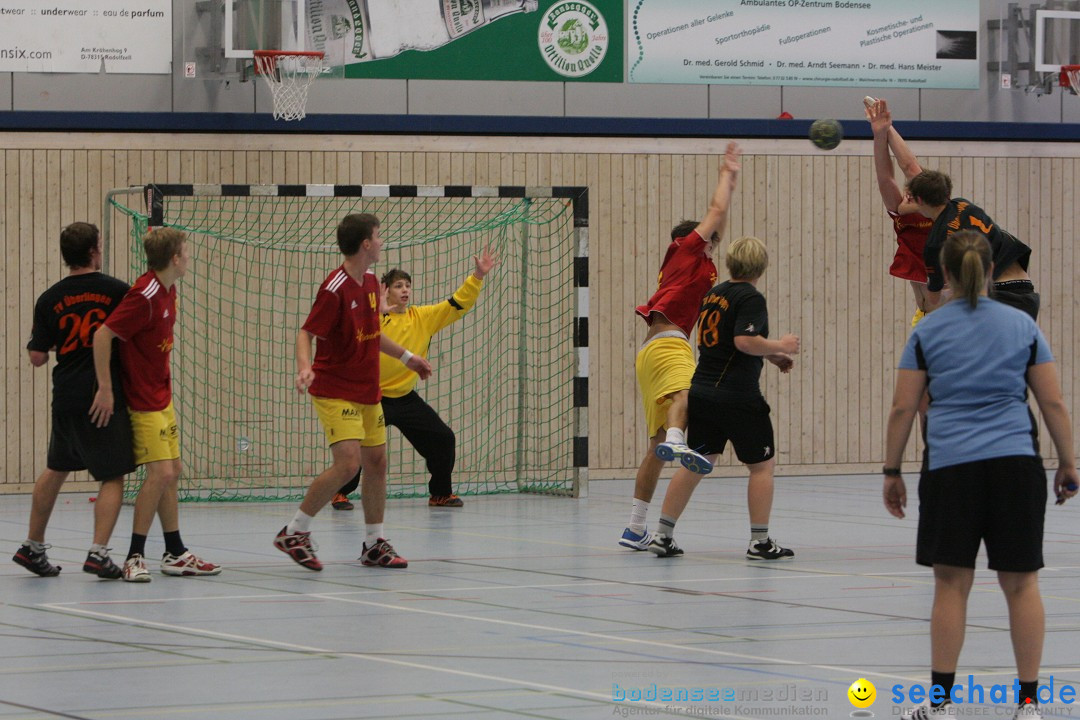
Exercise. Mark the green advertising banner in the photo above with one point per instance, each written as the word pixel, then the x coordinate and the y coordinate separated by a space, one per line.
pixel 556 40
pixel 881 43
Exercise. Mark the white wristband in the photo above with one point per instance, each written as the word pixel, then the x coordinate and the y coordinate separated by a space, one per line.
pixel 406 357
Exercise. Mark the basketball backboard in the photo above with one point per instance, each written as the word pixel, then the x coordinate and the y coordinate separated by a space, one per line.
pixel 219 36
pixel 1057 39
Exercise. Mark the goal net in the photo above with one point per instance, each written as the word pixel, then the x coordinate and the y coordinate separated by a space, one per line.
pixel 510 377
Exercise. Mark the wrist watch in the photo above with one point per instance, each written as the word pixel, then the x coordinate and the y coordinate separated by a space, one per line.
pixel 891 471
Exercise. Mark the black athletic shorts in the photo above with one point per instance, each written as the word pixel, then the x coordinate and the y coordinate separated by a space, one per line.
pixel 717 417
pixel 1001 501
pixel 76 444
pixel 1019 294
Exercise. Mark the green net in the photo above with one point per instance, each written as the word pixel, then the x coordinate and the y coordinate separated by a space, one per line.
pixel 503 374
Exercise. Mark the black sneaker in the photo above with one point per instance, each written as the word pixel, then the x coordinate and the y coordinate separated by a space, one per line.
pixel 35 561
pixel 767 549
pixel 664 546
pixel 100 564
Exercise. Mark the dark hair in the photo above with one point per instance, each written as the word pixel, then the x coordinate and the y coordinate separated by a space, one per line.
pixel 77 242
pixel 353 230
pixel 393 275
pixel 966 257
pixel 162 245
pixel 931 187
pixel 686 227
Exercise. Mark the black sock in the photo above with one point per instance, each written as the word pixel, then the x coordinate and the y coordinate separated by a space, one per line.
pixel 173 544
pixel 1029 692
pixel 138 545
pixel 946 681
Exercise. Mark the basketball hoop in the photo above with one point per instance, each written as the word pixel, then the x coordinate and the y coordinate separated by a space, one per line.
pixel 1070 78
pixel 288 74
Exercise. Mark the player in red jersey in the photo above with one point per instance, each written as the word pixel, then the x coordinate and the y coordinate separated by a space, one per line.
pixel 343 382
pixel 665 363
pixel 910 226
pixel 144 323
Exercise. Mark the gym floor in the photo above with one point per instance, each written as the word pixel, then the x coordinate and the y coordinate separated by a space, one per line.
pixel 513 607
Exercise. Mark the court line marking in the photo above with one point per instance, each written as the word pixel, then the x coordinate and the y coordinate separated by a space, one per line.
pixel 666 708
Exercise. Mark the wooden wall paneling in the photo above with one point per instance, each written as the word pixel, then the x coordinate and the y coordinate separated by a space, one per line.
pixel 12 311
pixel 602 260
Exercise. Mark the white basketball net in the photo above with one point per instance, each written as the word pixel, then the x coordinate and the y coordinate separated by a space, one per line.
pixel 289 77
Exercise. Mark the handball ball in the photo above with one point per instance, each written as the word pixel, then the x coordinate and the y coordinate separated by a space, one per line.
pixel 826 134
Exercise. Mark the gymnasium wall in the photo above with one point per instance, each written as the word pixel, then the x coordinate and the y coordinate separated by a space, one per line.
pixel 366 104
pixel 819 213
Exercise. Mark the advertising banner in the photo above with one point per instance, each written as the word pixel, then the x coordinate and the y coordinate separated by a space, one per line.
pixel 559 40
pixel 841 43
pixel 83 36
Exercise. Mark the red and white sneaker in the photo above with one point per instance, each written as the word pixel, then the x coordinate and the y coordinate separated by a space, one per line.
pixel 382 554
pixel 187 564
pixel 135 570
pixel 299 547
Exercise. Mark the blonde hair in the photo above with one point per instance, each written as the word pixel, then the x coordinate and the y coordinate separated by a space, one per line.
pixel 746 258
pixel 162 245
pixel 966 257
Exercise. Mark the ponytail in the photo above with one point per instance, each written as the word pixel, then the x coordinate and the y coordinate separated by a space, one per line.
pixel 966 258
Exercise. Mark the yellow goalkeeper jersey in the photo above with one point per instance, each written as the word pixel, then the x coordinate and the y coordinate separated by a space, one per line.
pixel 413 329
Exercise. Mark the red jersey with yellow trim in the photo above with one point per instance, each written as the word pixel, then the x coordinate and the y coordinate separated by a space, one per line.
pixel 144 321
pixel 911 230
pixel 345 323
pixel 686 274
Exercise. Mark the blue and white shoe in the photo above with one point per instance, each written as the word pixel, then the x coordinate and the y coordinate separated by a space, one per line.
pixel 692 460
pixel 635 541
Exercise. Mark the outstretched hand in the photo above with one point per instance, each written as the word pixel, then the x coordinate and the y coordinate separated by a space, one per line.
pixel 384 301
pixel 485 261
pixel 879 116
pixel 732 156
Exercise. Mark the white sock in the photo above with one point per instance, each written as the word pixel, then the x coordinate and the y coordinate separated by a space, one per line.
pixel 35 545
pixel 676 435
pixel 95 548
pixel 637 516
pixel 301 522
pixel 374 533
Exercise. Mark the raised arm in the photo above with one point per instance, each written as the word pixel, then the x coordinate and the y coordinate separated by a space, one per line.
pixel 881 123
pixel 1043 381
pixel 101 410
pixel 909 164
pixel 715 219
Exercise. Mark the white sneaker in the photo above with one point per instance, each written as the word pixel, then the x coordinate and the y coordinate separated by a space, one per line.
pixel 692 460
pixel 1028 712
pixel 925 712
pixel 187 564
pixel 135 570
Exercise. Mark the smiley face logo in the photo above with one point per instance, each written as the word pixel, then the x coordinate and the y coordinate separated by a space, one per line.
pixel 862 693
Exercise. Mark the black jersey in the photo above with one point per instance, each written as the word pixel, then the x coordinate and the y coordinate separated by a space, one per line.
pixel 66 317
pixel 729 310
pixel 959 214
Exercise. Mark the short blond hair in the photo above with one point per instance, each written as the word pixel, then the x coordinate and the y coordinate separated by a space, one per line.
pixel 162 245
pixel 746 258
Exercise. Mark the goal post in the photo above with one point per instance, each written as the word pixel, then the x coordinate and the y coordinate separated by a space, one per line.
pixel 511 376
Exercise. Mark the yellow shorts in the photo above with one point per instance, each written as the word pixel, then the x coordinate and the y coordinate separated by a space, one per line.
pixel 665 365
pixel 347 420
pixel 155 435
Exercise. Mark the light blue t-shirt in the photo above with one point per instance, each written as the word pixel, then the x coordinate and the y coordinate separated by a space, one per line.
pixel 976 362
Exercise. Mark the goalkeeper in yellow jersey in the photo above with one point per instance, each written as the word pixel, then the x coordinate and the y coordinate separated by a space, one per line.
pixel 412 327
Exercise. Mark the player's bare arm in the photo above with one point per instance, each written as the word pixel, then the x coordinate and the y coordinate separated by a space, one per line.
pixel 763 347
pixel 304 374
pixel 881 123
pixel 101 410
pixel 417 363
pixel 715 219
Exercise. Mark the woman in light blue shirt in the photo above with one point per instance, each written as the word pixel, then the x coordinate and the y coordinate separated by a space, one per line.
pixel 984 481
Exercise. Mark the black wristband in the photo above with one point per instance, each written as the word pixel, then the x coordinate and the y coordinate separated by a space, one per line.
pixel 891 471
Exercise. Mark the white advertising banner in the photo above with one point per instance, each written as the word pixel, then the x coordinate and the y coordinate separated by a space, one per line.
pixel 840 43
pixel 79 36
